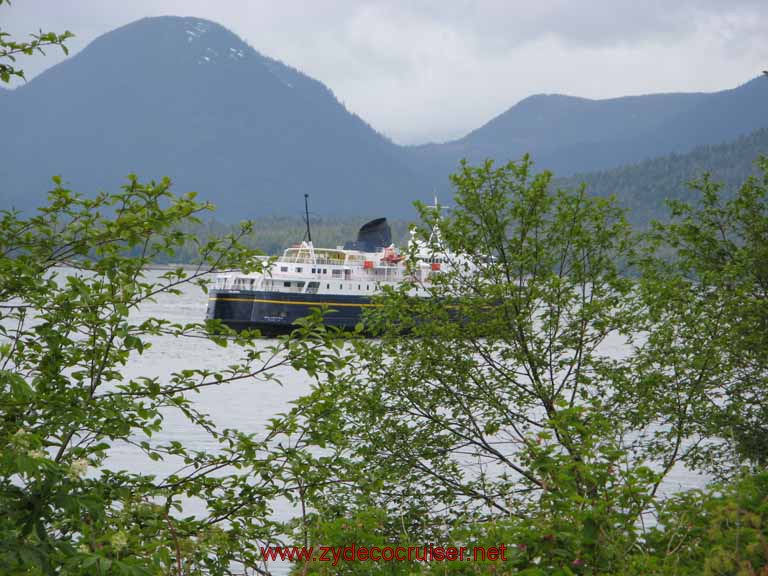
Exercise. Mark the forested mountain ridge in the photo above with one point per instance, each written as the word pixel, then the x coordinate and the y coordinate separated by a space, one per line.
pixel 643 188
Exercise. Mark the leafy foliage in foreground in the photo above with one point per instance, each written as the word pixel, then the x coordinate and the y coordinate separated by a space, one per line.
pixel 67 336
pixel 73 284
pixel 508 417
pixel 723 530
pixel 501 419
pixel 10 49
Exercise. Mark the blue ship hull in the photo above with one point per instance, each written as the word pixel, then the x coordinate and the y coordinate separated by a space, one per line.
pixel 276 313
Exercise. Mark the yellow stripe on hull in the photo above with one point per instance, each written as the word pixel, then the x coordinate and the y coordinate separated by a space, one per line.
pixel 295 302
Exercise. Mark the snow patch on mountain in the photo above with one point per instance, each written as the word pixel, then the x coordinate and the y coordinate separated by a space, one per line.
pixel 236 53
pixel 198 29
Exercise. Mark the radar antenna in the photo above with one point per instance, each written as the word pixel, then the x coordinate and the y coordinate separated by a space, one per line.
pixel 434 236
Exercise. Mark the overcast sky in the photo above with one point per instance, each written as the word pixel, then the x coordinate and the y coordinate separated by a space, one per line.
pixel 436 69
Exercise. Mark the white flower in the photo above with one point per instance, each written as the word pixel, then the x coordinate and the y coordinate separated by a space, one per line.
pixel 78 468
pixel 20 438
pixel 119 540
pixel 37 454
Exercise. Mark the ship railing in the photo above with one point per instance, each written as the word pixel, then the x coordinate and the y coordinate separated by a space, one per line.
pixel 229 284
pixel 310 260
pixel 352 261
pixel 367 275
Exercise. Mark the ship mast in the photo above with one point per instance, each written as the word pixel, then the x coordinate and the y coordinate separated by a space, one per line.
pixel 306 216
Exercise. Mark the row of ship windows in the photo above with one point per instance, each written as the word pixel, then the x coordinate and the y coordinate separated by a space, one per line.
pixel 313 270
pixel 338 272
pixel 288 284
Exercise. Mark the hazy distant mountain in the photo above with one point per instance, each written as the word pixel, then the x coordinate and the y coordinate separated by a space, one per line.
pixel 186 98
pixel 643 188
pixel 567 135
pixel 546 122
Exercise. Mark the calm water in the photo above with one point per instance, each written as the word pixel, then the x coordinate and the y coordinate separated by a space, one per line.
pixel 246 405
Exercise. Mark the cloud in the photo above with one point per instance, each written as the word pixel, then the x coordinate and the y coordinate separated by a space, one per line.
pixel 434 70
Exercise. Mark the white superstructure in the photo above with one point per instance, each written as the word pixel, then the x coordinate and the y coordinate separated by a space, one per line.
pixel 304 269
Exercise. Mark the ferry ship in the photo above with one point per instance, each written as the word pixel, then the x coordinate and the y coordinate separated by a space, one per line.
pixel 343 279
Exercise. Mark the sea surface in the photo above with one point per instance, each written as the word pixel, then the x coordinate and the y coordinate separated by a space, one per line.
pixel 246 405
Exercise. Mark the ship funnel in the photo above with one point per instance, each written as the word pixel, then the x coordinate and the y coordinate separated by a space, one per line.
pixel 372 236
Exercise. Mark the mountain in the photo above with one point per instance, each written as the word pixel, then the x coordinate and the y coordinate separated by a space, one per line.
pixel 568 135
pixel 643 188
pixel 531 124
pixel 186 98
